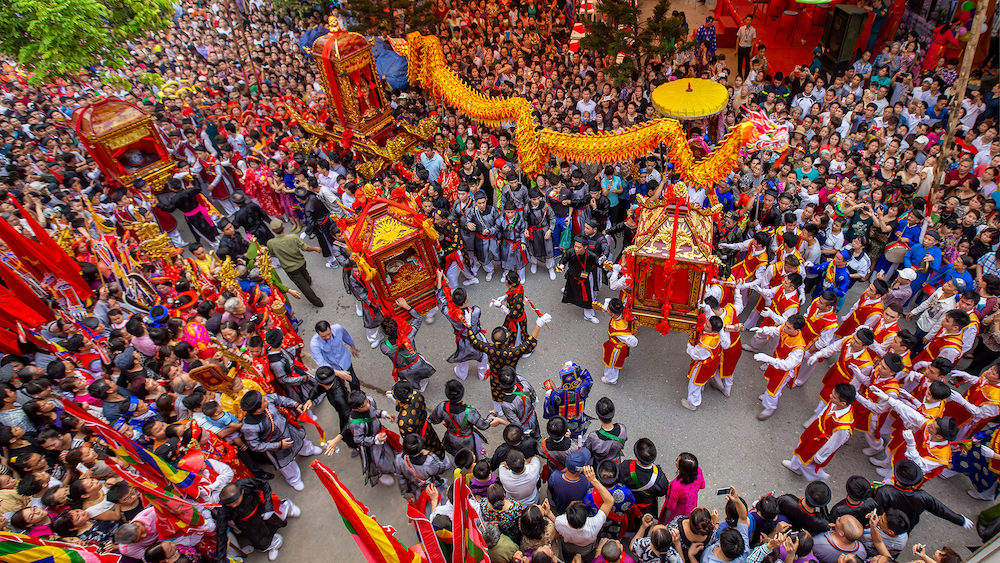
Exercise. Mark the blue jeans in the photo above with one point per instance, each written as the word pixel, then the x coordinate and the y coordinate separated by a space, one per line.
pixel 562 223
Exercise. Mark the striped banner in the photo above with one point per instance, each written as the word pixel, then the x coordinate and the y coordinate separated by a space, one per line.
pixel 18 548
pixel 377 543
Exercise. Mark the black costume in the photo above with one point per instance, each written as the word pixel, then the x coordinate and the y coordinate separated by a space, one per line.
pixel 195 214
pixel 248 517
pixel 254 221
pixel 579 269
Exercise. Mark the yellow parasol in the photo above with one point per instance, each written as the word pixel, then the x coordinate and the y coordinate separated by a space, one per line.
pixel 690 98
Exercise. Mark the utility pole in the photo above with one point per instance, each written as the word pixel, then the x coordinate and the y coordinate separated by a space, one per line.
pixel 958 89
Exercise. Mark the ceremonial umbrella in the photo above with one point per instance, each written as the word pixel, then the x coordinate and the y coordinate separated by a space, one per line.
pixel 686 99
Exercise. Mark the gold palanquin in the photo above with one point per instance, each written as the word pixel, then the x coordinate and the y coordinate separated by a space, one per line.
pixel 395 247
pixel 352 84
pixel 684 287
pixel 124 142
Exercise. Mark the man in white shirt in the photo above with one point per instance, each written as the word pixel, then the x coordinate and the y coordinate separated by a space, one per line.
pixel 983 158
pixel 578 528
pixel 586 105
pixel 974 107
pixel 519 477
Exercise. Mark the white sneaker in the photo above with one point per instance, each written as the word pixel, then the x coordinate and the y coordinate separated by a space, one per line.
pixel 489 276
pixel 423 385
pixel 357 309
pixel 883 463
pixel 765 414
pixel 534 268
pixel 294 511
pixel 609 382
pixel 528 355
pixel 788 465
pixel 315 451
pixel 473 281
pixel 807 423
pixel 300 486
pixel 331 265
pixel 302 236
pixel 552 274
pixel 429 319
pixel 684 403
pixel 375 344
pixel 593 319
pixel 387 480
pixel 272 554
pixel 871 451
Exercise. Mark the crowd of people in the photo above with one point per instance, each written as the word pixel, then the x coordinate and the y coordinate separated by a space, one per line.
pixel 213 377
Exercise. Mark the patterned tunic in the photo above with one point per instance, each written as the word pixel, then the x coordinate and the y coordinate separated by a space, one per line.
pixel 501 356
pixel 412 419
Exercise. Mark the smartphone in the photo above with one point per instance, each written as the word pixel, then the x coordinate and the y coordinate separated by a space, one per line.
pixel 721 492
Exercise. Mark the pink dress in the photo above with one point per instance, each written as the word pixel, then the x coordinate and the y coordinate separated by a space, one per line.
pixel 681 499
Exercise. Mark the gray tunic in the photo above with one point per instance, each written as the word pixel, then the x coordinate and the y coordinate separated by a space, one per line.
pixel 515 192
pixel 519 408
pixel 297 387
pixel 458 211
pixel 371 313
pixel 537 221
pixel 342 255
pixel 513 255
pixel 376 459
pixel 410 366
pixel 485 245
pixel 264 432
pixel 603 446
pixel 459 421
pixel 464 351
pixel 413 476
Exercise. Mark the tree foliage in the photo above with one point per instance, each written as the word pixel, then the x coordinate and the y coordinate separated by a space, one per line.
pixel 50 38
pixel 398 17
pixel 618 29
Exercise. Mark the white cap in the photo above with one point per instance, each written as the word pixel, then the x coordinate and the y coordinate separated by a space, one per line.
pixel 908 274
pixel 921 139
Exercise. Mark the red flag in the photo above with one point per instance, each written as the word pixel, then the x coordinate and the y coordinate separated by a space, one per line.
pixel 27 295
pixel 38 259
pixel 13 310
pixel 8 342
pixel 21 247
pixel 425 531
pixel 179 515
pixel 378 543
pixel 55 253
pixel 469 544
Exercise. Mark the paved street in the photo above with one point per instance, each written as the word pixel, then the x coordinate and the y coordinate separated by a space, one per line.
pixel 732 446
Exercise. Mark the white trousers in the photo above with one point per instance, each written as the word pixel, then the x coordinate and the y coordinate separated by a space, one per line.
pixel 291 472
pixel 694 393
pixel 771 402
pixel 451 274
pixel 176 239
pixel 611 374
pixel 462 368
pixel 372 335
pixel 809 470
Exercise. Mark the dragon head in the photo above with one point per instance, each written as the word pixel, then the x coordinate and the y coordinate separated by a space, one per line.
pixel 765 134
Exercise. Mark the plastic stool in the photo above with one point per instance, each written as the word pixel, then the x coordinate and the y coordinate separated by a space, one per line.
pixel 794 15
pixel 820 13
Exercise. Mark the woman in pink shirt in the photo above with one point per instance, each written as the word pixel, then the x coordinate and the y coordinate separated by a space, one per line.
pixel 683 495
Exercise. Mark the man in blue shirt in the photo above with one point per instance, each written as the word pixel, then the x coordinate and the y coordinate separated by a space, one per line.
pixel 924 258
pixel 329 347
pixel 834 276
pixel 431 161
